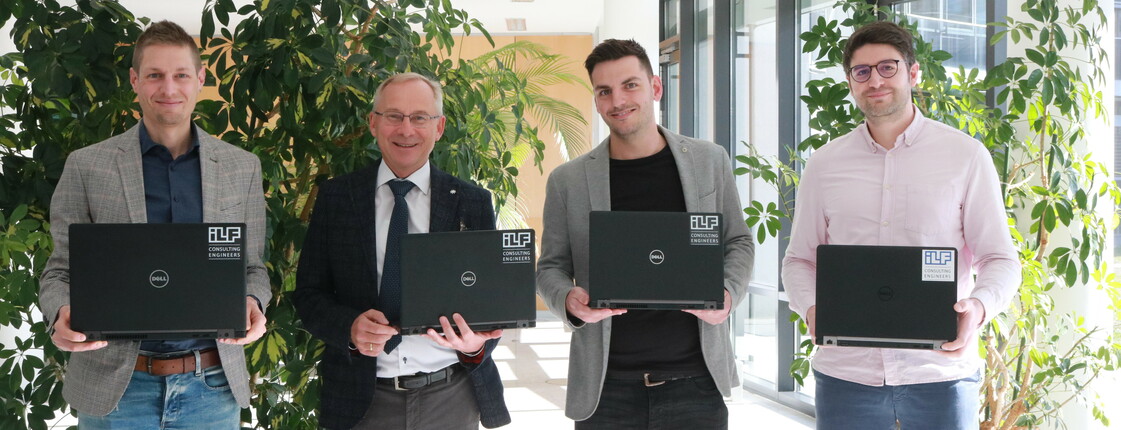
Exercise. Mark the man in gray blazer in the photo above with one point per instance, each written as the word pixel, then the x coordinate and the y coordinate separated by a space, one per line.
pixel 630 370
pixel 162 170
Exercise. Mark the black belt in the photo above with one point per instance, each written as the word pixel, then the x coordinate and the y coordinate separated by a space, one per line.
pixel 420 380
pixel 653 379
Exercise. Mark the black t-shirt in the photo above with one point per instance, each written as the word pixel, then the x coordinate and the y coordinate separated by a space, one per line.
pixel 652 340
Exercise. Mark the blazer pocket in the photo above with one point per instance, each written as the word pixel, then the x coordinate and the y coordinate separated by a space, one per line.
pixel 231 211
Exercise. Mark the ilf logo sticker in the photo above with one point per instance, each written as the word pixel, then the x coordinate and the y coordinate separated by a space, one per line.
pixel 517 247
pixel 223 243
pixel 938 265
pixel 704 230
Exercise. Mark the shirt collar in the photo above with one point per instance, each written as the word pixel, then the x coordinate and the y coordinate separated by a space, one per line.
pixel 422 177
pixel 908 138
pixel 146 142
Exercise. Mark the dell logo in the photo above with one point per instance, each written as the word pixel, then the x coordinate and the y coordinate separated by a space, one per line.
pixel 467 278
pixel 886 293
pixel 158 278
pixel 657 257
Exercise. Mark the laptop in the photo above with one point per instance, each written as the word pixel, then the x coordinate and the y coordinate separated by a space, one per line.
pixel 486 276
pixel 886 296
pixel 656 260
pixel 157 281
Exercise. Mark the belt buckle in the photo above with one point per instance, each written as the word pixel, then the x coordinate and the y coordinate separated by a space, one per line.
pixel 646 380
pixel 397 384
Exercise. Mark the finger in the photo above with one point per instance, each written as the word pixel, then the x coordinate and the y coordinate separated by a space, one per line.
pixel 376 329
pixel 449 333
pixel 464 329
pixel 493 334
pixel 376 316
pixel 439 339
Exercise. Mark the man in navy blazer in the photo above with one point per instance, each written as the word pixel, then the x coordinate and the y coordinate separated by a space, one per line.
pixel 445 381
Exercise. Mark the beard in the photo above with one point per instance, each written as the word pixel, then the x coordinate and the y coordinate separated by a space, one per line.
pixel 888 108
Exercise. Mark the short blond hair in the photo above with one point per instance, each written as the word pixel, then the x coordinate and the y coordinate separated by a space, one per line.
pixel 437 89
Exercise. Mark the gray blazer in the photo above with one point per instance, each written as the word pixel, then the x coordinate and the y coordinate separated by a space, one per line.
pixel 104 183
pixel 582 185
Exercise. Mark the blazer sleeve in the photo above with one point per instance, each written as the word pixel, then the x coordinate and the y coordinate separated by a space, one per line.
pixel 256 275
pixel 315 296
pixel 69 205
pixel 554 268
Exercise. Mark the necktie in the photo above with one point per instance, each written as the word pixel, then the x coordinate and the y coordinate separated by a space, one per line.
pixel 389 297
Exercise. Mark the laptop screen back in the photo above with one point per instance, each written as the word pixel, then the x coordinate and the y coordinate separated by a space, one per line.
pixel 486 276
pixel 886 296
pixel 157 281
pixel 656 260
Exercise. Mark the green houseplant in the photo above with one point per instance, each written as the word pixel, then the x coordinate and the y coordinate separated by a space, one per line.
pixel 286 64
pixel 1038 358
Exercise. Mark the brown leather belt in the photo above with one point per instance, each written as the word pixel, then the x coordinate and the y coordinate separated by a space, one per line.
pixel 177 365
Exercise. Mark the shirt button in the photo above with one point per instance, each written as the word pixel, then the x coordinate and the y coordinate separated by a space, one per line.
pixel 885 223
pixel 887 186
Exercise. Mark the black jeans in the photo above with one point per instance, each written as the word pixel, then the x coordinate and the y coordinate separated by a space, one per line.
pixel 691 403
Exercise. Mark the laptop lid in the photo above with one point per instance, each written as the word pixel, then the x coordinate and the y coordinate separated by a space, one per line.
pixel 656 260
pixel 486 276
pixel 886 296
pixel 157 281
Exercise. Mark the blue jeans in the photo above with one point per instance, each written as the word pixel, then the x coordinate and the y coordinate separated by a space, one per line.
pixel 192 400
pixel 691 403
pixel 950 405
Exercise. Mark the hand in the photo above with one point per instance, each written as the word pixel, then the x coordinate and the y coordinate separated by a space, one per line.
pixel 370 331
pixel 576 303
pixel 69 340
pixel 715 316
pixel 971 312
pixel 811 322
pixel 467 341
pixel 254 324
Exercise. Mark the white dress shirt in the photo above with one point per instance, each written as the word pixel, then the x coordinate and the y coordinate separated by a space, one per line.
pixel 935 187
pixel 415 353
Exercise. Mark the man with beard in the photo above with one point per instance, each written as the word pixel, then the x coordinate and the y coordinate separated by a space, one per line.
pixel 901 179
pixel 652 368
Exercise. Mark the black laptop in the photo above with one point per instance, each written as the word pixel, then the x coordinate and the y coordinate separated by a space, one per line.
pixel 157 281
pixel 886 296
pixel 656 260
pixel 486 276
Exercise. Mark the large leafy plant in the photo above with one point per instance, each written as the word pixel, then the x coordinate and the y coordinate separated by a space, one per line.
pixel 1038 358
pixel 295 80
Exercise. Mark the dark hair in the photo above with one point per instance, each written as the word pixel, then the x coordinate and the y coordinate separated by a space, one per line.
pixel 881 32
pixel 614 49
pixel 164 33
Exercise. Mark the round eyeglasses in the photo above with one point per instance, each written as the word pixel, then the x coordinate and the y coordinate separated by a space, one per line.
pixel 415 119
pixel 863 72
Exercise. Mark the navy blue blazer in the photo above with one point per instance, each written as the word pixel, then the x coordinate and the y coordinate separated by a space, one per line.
pixel 337 277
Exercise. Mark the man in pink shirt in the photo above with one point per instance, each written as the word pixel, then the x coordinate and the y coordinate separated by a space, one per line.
pixel 901 179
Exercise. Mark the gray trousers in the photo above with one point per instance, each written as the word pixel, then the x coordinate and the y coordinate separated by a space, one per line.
pixel 443 405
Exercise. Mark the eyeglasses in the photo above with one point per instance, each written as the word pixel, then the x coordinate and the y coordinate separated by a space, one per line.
pixel 416 119
pixel 863 72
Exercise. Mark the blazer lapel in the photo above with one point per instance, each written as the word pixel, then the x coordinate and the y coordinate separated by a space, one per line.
pixel 208 167
pixel 686 167
pixel 363 190
pixel 444 197
pixel 598 170
pixel 131 171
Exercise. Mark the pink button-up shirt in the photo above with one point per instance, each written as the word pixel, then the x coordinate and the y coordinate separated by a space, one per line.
pixel 935 187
